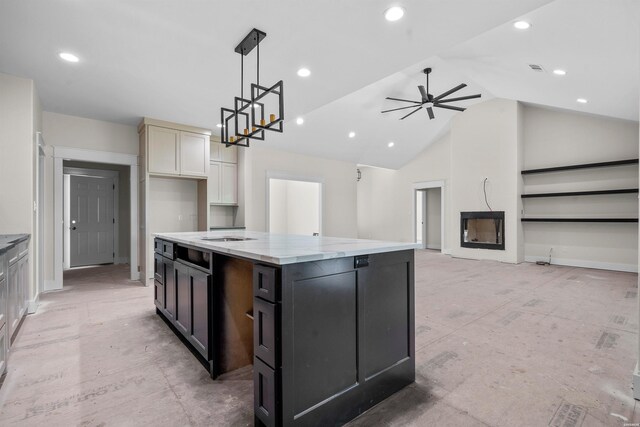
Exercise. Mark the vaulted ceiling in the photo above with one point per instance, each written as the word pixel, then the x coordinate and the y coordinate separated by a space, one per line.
pixel 175 61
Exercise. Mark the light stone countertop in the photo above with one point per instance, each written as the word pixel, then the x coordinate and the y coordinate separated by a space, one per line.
pixel 285 248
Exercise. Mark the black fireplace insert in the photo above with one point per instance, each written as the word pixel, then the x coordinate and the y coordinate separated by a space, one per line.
pixel 483 230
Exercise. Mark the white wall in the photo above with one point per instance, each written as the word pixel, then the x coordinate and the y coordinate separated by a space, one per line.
pixel 78 132
pixel 177 200
pixel 19 121
pixel 339 212
pixel 385 196
pixel 557 138
pixel 485 144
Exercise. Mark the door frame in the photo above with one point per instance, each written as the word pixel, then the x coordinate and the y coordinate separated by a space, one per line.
pixel 101 173
pixel 292 177
pixel 425 185
pixel 67 153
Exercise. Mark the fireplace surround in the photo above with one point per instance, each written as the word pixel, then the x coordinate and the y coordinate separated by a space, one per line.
pixel 482 230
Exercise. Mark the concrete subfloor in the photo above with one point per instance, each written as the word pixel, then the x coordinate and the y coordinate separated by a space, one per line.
pixel 496 345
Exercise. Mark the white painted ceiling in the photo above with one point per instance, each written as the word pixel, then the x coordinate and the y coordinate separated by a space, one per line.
pixel 175 61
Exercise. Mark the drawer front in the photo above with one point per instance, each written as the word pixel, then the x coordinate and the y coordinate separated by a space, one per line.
pixel 265 342
pixel 157 246
pixel 266 388
pixel 12 255
pixel 168 250
pixel 158 268
pixel 265 283
pixel 23 248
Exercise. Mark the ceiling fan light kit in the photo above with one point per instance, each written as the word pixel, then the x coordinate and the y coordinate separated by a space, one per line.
pixel 429 102
pixel 248 118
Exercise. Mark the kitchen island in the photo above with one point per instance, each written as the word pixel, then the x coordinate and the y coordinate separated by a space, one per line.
pixel 328 323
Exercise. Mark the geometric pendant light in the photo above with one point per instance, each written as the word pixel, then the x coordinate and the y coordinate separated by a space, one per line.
pixel 262 111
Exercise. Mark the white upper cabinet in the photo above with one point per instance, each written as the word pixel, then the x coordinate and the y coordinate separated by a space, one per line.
pixel 177 152
pixel 164 150
pixel 194 154
pixel 222 153
pixel 228 154
pixel 214 184
pixel 229 183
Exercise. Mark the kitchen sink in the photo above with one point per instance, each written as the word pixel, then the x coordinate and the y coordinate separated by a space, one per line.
pixel 227 239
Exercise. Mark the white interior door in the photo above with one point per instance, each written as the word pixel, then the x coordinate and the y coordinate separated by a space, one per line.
pixel 92 220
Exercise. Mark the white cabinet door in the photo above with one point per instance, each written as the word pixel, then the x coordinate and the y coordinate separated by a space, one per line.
pixel 194 154
pixel 215 151
pixel 228 154
pixel 214 184
pixel 229 183
pixel 164 151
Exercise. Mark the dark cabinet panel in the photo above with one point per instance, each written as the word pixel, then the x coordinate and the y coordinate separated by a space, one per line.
pixel 200 311
pixel 387 325
pixel 168 250
pixel 183 299
pixel 265 283
pixel 265 344
pixel 158 268
pixel 324 337
pixel 265 393
pixel 157 246
pixel 169 289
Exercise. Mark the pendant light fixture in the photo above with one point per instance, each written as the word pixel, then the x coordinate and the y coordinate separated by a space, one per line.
pixel 262 111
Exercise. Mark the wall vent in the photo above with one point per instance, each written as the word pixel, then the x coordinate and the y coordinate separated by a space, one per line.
pixel 537 68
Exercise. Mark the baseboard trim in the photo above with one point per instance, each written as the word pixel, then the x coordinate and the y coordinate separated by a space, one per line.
pixel 629 268
pixel 122 260
pixel 33 305
pixel 51 285
pixel 446 251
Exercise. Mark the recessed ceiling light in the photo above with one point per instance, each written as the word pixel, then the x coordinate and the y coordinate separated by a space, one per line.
pixel 352 134
pixel 394 13
pixel 219 125
pixel 256 106
pixel 69 57
pixel 299 120
pixel 391 144
pixel 304 72
pixel 522 25
pixel 559 72
pixel 581 100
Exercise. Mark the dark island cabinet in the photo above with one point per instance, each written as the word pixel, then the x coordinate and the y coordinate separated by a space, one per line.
pixel 183 295
pixel 332 338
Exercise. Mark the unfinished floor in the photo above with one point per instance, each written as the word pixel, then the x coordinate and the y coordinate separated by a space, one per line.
pixel 496 344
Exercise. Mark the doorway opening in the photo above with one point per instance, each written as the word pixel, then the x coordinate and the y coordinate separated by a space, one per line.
pixel 123 169
pixel 429 215
pixel 96 214
pixel 294 205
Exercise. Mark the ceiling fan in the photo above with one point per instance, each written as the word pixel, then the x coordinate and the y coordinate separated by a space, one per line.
pixel 429 101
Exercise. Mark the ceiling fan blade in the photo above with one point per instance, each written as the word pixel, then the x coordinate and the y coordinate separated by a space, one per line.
pixel 449 107
pixel 462 98
pixel 396 109
pixel 403 100
pixel 450 91
pixel 430 112
pixel 414 111
pixel 423 92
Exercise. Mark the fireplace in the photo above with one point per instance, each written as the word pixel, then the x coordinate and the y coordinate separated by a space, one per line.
pixel 484 230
